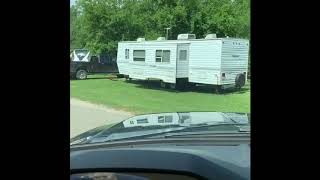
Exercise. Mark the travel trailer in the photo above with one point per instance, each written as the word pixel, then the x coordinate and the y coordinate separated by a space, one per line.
pixel 222 62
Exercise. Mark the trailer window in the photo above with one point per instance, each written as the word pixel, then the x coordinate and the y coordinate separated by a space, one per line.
pixel 163 56
pixel 127 53
pixel 158 55
pixel 183 55
pixel 139 55
pixel 166 56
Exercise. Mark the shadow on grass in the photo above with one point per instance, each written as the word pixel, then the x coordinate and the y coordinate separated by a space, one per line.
pixel 106 78
pixel 152 84
pixel 87 79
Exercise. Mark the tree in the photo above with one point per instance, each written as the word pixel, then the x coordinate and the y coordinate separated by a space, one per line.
pixel 77 34
pixel 100 24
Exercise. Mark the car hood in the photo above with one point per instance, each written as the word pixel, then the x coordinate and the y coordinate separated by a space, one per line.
pixel 161 123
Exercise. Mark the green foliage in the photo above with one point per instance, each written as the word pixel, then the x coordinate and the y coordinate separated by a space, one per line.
pixel 100 24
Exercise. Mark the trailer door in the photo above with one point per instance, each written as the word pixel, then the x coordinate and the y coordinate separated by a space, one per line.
pixel 182 60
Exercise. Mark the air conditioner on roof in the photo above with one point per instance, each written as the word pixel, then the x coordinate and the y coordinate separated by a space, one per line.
pixel 141 39
pixel 186 36
pixel 211 36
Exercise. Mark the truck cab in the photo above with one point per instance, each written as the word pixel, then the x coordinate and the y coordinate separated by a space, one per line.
pixel 82 63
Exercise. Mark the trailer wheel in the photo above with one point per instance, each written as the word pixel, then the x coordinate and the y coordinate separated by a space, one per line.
pixel 163 84
pixel 81 74
pixel 240 80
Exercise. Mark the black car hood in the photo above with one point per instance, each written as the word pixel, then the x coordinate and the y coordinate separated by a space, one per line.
pixel 161 122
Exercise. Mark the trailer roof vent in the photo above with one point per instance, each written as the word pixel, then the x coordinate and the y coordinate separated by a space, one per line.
pixel 141 39
pixel 186 36
pixel 211 36
pixel 161 38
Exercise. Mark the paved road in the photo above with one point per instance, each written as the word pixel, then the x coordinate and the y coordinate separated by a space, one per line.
pixel 85 116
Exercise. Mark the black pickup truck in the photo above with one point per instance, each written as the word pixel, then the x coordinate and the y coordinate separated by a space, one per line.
pixel 82 64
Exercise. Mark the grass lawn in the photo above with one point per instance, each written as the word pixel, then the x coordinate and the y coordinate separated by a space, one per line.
pixel 142 97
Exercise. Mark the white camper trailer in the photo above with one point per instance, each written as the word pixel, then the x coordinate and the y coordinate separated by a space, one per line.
pixel 216 61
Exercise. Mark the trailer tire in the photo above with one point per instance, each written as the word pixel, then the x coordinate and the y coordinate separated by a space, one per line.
pixel 240 80
pixel 81 74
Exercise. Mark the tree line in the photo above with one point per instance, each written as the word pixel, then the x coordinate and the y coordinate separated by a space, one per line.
pixel 99 25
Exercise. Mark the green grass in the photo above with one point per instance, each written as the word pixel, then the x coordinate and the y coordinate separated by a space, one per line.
pixel 138 98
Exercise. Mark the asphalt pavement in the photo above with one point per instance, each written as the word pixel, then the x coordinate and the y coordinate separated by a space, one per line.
pixel 85 116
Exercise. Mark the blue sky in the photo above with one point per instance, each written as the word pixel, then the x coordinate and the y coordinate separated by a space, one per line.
pixel 72 2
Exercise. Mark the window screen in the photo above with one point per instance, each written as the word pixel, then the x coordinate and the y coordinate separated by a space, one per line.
pixel 163 56
pixel 183 55
pixel 166 56
pixel 158 55
pixel 139 55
